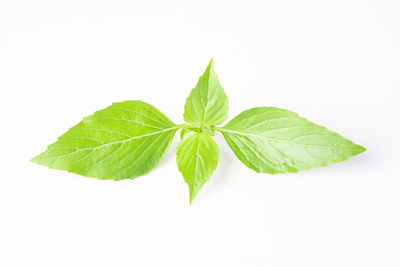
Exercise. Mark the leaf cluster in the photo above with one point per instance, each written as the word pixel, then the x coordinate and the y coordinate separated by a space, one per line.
pixel 128 139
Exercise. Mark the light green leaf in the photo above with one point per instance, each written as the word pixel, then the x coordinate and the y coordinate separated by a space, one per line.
pixel 197 158
pixel 207 104
pixel 124 140
pixel 274 140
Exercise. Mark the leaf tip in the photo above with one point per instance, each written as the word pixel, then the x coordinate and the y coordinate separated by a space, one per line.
pixel 359 149
pixel 35 159
pixel 192 195
pixel 193 191
pixel 211 64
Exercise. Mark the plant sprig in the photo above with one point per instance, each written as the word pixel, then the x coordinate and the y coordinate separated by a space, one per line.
pixel 128 139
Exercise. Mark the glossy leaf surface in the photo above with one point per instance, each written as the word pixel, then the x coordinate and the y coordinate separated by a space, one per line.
pixel 125 140
pixel 274 140
pixel 207 103
pixel 197 157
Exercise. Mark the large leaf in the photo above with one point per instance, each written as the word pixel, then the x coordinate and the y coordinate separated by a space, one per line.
pixel 207 103
pixel 274 140
pixel 197 158
pixel 125 140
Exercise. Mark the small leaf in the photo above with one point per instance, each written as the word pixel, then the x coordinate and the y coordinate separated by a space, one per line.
pixel 207 103
pixel 125 140
pixel 197 158
pixel 274 140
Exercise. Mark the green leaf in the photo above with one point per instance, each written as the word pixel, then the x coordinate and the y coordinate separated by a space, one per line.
pixel 207 104
pixel 274 140
pixel 197 158
pixel 124 140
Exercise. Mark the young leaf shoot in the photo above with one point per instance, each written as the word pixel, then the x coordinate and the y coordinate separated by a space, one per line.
pixel 128 139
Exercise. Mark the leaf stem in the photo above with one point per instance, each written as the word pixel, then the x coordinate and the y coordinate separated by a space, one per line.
pixel 219 129
pixel 188 125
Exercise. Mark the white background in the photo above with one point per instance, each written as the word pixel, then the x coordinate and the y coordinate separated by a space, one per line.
pixel 336 63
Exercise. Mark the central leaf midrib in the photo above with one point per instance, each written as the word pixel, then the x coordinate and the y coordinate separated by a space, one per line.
pixel 129 139
pixel 222 130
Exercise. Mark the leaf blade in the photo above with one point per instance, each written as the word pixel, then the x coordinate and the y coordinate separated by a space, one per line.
pixel 197 158
pixel 207 103
pixel 122 141
pixel 274 140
